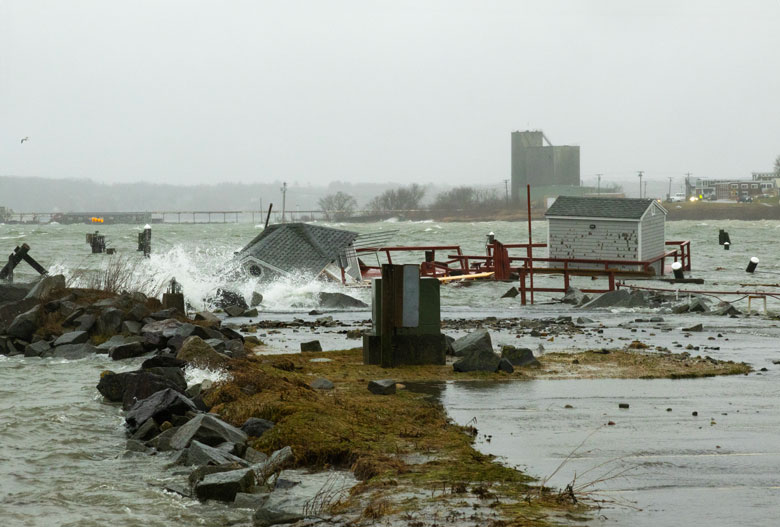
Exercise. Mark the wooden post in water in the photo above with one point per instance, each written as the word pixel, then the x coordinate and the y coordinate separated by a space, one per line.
pixel 530 245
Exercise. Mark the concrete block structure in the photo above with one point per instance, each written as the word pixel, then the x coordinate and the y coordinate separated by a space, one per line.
pixel 606 229
pixel 538 164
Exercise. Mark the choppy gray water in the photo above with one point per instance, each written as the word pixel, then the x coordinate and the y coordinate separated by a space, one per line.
pixel 62 450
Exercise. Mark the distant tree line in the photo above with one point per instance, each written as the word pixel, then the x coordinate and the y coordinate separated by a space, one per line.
pixel 340 205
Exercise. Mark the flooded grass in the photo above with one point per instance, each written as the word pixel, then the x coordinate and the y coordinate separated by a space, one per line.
pixel 375 435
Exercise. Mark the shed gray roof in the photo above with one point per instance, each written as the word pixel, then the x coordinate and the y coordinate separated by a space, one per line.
pixel 297 247
pixel 617 208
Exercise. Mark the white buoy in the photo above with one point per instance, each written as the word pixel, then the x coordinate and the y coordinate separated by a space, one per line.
pixel 678 270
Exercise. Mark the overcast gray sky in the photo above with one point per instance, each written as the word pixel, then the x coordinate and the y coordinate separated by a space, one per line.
pixel 405 91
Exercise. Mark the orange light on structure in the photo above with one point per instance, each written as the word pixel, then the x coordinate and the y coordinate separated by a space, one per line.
pixel 96 220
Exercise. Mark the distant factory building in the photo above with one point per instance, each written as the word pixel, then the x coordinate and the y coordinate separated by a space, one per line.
pixel 540 164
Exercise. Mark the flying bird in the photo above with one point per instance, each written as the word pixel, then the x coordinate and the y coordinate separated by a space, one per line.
pixel 24 139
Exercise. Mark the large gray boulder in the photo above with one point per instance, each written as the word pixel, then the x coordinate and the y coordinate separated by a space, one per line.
pixel 223 486
pixel 47 286
pixel 339 301
pixel 207 429
pixel 160 406
pixel 73 337
pixel 24 325
pixel 256 427
pixel 126 350
pixel 519 356
pixel 130 387
pixel 575 297
pixel 201 454
pixel 275 463
pixel 74 351
pixel 616 298
pixel 109 321
pixel 478 340
pixel 199 353
pixel 36 349
pixel 14 292
pixel 161 328
pixel 477 360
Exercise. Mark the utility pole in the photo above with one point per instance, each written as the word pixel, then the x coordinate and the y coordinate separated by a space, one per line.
pixel 506 189
pixel 284 198
pixel 598 186
pixel 669 194
pixel 641 173
pixel 687 186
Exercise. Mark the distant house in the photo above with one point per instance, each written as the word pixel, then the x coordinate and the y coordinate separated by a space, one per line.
pixel 606 229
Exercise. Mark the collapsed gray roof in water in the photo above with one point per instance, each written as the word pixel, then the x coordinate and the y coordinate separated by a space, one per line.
pixel 296 248
pixel 613 208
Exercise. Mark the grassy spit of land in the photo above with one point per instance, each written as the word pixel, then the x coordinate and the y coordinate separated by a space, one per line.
pixel 414 465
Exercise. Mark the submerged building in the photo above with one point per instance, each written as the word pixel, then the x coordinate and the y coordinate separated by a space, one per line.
pixel 540 164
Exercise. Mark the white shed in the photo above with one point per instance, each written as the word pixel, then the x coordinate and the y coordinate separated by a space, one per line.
pixel 606 229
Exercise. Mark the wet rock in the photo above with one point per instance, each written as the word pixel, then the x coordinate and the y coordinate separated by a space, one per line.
pixel 312 346
pixel 519 356
pixel 656 319
pixel 339 301
pixel 116 340
pixel 256 300
pixel 74 351
pixel 46 287
pixel 574 297
pixel 137 313
pixel 217 344
pixel 24 325
pixel 85 322
pixel 505 366
pixel 254 457
pixel 322 384
pixel 250 313
pixel 698 304
pixel 616 298
pixel 235 349
pixel 584 320
pixel 163 314
pixel 188 330
pixel 161 328
pixel 511 293
pixel 131 327
pixel 146 431
pixel 73 337
pixel 109 321
pixel 198 353
pixel 244 500
pixel 480 359
pixel 14 292
pixel 314 312
pixel 223 486
pixel 325 321
pixel 209 318
pixel 163 361
pixel 161 406
pixel 623 405
pixel 201 454
pixel 725 309
pixel 476 341
pixel 256 427
pixel 382 387
pixel 130 387
pixel 36 349
pixel 128 350
pixel 231 334
pixel 266 516
pixel 234 311
pixel 208 430
pixel 697 327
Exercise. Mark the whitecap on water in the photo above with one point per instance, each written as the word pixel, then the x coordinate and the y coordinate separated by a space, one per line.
pixel 195 375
